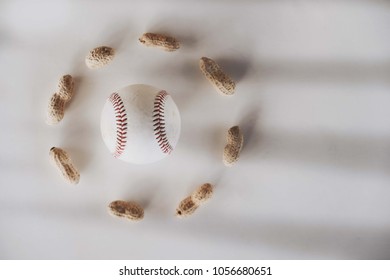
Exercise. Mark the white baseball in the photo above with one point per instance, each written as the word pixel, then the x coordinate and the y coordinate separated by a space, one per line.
pixel 140 124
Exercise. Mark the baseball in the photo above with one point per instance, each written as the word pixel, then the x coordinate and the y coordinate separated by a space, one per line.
pixel 140 124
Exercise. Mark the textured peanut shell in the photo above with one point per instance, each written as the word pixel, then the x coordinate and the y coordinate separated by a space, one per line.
pixel 99 57
pixel 232 150
pixel 166 43
pixel 202 194
pixel 125 209
pixel 55 110
pixel 65 87
pixel 219 79
pixel 64 164
pixel 186 207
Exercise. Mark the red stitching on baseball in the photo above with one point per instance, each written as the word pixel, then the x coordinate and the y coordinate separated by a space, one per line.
pixel 121 123
pixel 159 122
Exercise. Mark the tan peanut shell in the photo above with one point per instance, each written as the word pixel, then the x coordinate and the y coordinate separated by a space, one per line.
pixel 202 194
pixel 99 57
pixel 186 207
pixel 55 110
pixel 189 204
pixel 126 209
pixel 235 141
pixel 161 41
pixel 219 79
pixel 65 87
pixel 64 165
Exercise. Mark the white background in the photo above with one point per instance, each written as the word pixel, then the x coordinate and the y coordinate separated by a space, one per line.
pixel 312 99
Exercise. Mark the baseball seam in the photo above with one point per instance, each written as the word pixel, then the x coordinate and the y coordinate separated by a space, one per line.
pixel 121 124
pixel 159 122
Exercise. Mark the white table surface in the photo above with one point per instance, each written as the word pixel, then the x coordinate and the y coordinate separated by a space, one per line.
pixel 313 96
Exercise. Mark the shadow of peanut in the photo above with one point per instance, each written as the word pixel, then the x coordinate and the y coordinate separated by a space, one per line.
pixel 236 68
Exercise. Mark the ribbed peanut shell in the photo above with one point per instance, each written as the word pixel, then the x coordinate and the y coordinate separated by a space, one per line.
pixel 64 164
pixel 186 207
pixel 55 110
pixel 232 150
pixel 99 57
pixel 202 194
pixel 166 43
pixel 219 79
pixel 126 209
pixel 65 87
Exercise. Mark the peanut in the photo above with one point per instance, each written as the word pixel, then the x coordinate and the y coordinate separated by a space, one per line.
pixel 65 87
pixel 124 209
pixel 65 165
pixel 186 207
pixel 232 150
pixel 221 81
pixel 55 111
pixel 189 204
pixel 202 194
pixel 164 42
pixel 99 57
